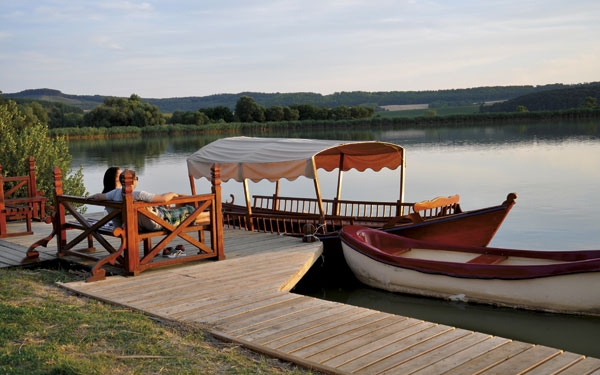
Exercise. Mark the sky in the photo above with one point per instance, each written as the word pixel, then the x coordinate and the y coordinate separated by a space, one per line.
pixel 179 48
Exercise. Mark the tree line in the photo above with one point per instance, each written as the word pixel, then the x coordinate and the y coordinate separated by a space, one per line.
pixel 437 98
pixel 248 110
pixel 581 97
pixel 133 112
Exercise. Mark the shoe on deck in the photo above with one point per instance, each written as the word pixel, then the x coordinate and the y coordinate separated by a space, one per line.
pixel 176 253
pixel 167 251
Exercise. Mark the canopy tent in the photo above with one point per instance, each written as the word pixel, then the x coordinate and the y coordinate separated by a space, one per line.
pixel 256 159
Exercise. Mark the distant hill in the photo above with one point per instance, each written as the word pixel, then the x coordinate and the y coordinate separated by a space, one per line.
pixel 549 100
pixel 436 98
pixel 50 95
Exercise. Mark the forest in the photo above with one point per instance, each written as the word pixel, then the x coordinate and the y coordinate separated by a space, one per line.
pixel 453 97
pixel 478 104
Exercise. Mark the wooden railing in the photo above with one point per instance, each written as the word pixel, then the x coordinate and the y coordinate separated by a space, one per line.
pixel 332 207
pixel 292 215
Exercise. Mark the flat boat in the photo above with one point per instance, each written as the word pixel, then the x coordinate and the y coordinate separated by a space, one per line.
pixel 245 159
pixel 566 281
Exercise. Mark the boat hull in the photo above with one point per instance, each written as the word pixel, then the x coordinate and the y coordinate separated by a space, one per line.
pixel 567 287
pixel 472 228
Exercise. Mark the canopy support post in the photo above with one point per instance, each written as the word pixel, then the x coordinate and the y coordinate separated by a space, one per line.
pixel 402 178
pixel 192 184
pixel 249 222
pixel 318 193
pixel 338 194
pixel 276 196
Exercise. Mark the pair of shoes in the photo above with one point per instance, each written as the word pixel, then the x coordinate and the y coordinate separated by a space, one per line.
pixel 178 252
pixel 167 251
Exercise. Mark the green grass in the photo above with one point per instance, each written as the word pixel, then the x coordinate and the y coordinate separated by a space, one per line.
pixel 48 330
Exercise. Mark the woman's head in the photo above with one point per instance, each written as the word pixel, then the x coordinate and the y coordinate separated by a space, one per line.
pixel 111 179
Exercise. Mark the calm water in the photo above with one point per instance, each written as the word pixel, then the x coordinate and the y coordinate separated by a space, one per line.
pixel 554 168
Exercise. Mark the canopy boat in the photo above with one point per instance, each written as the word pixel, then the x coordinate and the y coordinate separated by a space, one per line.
pixel 245 159
pixel 554 281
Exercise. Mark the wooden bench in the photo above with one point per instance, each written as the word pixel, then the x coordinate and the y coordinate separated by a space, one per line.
pixel 488 259
pixel 127 255
pixel 20 200
pixel 424 210
pixel 440 206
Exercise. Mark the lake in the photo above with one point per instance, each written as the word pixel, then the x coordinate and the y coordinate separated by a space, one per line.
pixel 554 167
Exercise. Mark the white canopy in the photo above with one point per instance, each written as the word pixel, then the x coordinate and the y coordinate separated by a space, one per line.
pixel 256 159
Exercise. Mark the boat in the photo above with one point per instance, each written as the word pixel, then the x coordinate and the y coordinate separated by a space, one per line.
pixel 473 228
pixel 314 217
pixel 566 281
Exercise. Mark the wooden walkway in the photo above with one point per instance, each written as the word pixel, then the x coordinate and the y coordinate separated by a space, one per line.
pixel 254 307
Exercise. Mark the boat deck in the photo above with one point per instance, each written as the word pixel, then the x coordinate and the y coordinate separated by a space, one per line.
pixel 253 306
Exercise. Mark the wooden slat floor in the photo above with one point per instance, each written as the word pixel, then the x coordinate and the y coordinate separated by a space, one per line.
pixel 12 249
pixel 246 299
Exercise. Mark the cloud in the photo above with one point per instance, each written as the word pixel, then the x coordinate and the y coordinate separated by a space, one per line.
pixel 126 6
pixel 187 47
pixel 106 42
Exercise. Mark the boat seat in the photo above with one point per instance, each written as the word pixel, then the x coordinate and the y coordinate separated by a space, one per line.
pixel 487 259
pixel 394 250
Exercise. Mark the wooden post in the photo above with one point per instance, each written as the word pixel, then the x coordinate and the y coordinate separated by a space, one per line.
pixel 249 221
pixel 402 176
pixel 275 206
pixel 318 194
pixel 130 219
pixel 32 188
pixel 59 211
pixel 338 193
pixel 192 184
pixel 216 236
pixel 38 206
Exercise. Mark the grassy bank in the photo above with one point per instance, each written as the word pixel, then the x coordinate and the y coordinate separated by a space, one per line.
pixel 48 330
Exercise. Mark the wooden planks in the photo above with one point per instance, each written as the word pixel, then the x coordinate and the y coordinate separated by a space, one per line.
pixel 252 306
pixel 12 253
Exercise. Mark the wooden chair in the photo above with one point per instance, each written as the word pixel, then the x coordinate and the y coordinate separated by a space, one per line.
pixel 20 201
pixel 127 255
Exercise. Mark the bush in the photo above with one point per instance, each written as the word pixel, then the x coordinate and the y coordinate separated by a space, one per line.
pixel 24 136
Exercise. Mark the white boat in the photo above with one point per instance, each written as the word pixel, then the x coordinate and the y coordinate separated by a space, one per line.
pixel 555 281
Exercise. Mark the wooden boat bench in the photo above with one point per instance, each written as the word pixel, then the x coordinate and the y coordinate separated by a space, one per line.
pixel 421 211
pixel 126 253
pixel 440 206
pixel 20 200
pixel 488 259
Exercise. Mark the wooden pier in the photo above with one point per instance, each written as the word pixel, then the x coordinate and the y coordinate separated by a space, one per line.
pixel 253 306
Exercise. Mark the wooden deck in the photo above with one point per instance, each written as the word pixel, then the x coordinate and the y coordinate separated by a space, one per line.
pixel 255 308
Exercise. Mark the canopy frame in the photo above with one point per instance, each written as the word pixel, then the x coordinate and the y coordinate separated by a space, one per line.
pixel 256 159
